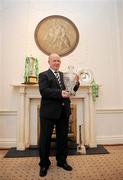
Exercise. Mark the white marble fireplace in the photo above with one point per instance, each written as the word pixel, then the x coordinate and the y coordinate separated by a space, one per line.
pixel 27 114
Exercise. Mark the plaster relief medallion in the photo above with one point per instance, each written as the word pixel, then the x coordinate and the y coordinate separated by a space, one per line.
pixel 56 34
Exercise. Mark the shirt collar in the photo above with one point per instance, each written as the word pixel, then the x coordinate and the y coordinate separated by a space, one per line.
pixel 53 70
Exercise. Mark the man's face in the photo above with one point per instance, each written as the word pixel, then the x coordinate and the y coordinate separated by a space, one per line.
pixel 54 62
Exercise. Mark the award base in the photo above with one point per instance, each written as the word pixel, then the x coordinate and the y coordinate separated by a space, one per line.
pixel 31 80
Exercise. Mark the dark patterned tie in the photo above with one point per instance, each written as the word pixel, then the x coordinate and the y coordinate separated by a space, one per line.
pixel 58 78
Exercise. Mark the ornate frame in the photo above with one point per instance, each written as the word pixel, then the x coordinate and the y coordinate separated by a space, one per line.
pixel 56 34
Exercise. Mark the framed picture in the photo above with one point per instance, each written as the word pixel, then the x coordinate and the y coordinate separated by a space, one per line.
pixel 56 34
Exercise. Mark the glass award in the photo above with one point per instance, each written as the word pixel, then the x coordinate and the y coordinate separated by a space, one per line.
pixel 70 80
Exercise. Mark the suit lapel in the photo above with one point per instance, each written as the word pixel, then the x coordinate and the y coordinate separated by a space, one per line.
pixel 51 74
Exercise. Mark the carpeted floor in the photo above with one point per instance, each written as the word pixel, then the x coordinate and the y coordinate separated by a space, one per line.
pixel 85 167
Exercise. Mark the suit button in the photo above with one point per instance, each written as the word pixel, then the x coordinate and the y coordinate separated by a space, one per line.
pixel 63 104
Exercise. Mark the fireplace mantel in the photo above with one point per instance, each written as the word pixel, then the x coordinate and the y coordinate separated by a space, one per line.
pixel 85 114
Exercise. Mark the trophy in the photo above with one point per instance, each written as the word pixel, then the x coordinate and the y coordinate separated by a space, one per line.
pixel 70 80
pixel 31 70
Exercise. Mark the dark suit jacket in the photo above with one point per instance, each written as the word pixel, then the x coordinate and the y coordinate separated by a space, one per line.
pixel 51 99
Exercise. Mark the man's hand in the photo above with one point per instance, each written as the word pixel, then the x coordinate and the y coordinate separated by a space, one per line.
pixel 65 94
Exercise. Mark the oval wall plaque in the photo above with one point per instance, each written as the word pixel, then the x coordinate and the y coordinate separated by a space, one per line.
pixel 56 34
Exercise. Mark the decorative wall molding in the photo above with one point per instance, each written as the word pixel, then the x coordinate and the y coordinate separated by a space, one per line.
pixel 109 111
pixel 98 111
pixel 110 139
pixel 7 143
pixel 8 113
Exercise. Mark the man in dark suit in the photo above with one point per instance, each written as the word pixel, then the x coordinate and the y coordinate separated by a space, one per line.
pixel 54 110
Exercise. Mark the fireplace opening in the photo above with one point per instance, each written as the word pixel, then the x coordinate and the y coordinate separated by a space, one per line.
pixel 72 131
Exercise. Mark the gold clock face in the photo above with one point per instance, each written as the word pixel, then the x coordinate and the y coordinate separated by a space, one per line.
pixel 56 34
